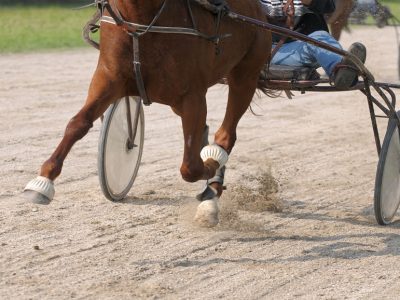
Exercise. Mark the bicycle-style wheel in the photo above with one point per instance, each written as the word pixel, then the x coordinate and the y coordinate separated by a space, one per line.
pixel 120 147
pixel 387 181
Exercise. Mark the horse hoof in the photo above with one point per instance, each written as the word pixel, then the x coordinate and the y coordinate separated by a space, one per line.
pixel 216 153
pixel 40 190
pixel 36 198
pixel 207 213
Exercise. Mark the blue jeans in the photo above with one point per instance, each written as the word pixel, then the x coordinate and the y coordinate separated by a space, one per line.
pixel 300 53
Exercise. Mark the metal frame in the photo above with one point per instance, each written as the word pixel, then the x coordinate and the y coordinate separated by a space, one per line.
pixel 387 103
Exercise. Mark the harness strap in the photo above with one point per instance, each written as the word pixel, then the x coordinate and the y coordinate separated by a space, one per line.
pixel 137 30
pixel 278 46
pixel 105 5
pixel 214 7
pixel 138 71
pixel 289 11
pixel 189 7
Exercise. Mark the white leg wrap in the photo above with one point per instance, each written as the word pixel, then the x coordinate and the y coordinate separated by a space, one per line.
pixel 41 185
pixel 207 213
pixel 216 153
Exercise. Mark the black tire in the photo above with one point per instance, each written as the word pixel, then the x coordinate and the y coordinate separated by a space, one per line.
pixel 117 164
pixel 387 181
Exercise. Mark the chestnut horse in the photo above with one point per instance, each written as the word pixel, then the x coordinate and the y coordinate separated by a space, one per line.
pixel 338 20
pixel 177 70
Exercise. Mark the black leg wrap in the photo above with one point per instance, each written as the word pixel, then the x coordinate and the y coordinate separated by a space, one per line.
pixel 219 176
pixel 209 192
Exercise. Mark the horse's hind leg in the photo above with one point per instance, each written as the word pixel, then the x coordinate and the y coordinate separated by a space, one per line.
pixel 239 99
pixel 101 95
pixel 242 85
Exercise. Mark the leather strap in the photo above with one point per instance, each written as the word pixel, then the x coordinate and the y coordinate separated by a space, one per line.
pixel 289 11
pixel 138 71
pixel 278 46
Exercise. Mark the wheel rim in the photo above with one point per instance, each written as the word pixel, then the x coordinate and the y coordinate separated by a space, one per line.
pixel 390 187
pixel 120 162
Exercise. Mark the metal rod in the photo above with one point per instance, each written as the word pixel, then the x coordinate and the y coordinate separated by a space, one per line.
pixel 391 93
pixel 377 103
pixel 138 101
pixel 373 117
pixel 131 138
pixel 392 110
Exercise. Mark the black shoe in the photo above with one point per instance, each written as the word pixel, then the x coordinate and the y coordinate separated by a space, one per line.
pixel 346 77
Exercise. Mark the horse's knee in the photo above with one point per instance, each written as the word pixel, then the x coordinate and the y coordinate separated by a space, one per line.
pixel 191 172
pixel 78 127
pixel 225 140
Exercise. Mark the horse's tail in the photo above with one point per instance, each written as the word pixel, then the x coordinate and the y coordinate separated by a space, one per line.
pixel 261 86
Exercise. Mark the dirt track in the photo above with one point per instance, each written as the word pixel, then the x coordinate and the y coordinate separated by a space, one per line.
pixel 323 244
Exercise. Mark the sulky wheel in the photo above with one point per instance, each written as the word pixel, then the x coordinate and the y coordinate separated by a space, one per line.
pixel 387 181
pixel 120 147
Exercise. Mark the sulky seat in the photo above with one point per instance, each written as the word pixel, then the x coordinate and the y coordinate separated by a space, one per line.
pixel 281 72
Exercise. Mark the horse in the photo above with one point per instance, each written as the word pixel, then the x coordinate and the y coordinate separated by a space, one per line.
pixel 338 20
pixel 176 70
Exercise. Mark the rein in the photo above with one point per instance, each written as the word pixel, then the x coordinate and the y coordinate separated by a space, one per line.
pixel 139 29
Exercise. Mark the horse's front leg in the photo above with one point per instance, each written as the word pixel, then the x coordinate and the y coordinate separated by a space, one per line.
pixel 196 166
pixel 103 91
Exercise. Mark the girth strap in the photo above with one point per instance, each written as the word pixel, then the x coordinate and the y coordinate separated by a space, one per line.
pixel 138 72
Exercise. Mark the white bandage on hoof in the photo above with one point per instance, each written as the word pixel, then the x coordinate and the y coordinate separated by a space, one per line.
pixel 216 153
pixel 41 185
pixel 207 213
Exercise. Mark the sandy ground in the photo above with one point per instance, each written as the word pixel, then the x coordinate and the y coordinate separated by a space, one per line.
pixel 322 242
